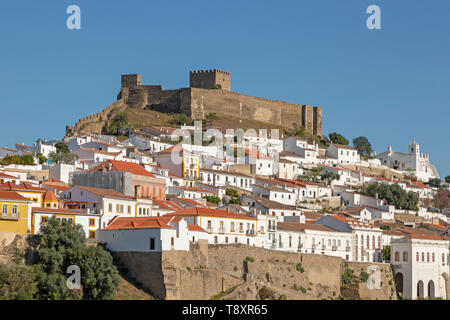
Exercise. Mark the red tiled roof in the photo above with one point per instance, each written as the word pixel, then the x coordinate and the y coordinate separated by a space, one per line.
pixel 192 227
pixel 123 166
pixel 57 187
pixel 23 186
pixel 139 223
pixel 50 196
pixel 189 201
pixel 52 210
pixel 4 175
pixel 11 195
pixel 197 211
pixel 175 148
pixel 108 193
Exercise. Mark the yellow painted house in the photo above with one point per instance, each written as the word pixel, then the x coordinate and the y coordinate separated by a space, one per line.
pixel 15 212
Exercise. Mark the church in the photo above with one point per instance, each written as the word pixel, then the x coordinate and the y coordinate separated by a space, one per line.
pixel 414 161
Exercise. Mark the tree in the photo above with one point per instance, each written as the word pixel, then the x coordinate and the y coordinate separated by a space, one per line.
pixel 17 282
pixel 61 147
pixel 394 195
pixel 213 199
pixel 15 159
pixel 299 131
pixel 363 145
pixel 118 124
pixel 337 138
pixel 329 176
pixel 62 245
pixel 441 199
pixel 42 158
pixel 58 157
pixel 447 179
pixel 436 182
pixel 180 119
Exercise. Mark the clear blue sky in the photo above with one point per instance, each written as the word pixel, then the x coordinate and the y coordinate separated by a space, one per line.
pixel 388 85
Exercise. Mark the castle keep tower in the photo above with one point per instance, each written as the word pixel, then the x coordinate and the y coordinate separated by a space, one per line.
pixel 131 80
pixel 207 79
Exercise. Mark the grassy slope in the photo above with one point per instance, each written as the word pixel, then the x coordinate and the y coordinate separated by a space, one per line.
pixel 128 291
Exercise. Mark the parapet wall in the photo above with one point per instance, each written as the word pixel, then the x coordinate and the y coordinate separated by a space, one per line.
pixel 207 270
pixel 237 105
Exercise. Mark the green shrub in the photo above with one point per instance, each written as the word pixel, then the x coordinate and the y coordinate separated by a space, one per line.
pixel 299 267
pixel 249 259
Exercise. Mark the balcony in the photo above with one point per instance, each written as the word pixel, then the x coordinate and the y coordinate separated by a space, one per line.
pixel 250 233
pixel 241 231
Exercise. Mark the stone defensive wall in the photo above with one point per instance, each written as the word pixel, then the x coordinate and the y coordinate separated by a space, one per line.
pixel 207 270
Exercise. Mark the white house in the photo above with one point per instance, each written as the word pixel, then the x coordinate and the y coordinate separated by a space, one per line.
pixel 421 266
pixel 343 153
pixel 150 234
pixel 223 226
pixel 312 238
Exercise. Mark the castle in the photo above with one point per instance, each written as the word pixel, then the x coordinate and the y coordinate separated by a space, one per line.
pixel 210 92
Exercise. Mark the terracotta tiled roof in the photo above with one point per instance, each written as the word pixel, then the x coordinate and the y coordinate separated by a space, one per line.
pixel 107 193
pixel 192 227
pixel 342 146
pixel 196 211
pixel 7 176
pixel 23 186
pixel 11 195
pixel 123 166
pixel 139 223
pixel 50 196
pixel 58 210
pixel 56 187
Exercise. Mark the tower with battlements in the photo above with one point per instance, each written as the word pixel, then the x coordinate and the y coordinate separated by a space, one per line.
pixel 208 79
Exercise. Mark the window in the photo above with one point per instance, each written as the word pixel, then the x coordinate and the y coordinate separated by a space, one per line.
pixel 417 257
pixel 91 234
pixel 44 219
pixel 405 256
pixel 152 243
pixel 423 257
pixel 396 256
pixel 129 209
pixel 428 257
pixel 373 242
pixel 91 222
pixel 432 257
pixel 110 207
pixel 209 225
pixel 232 226
pixel 5 210
pixel 172 241
pixel 14 210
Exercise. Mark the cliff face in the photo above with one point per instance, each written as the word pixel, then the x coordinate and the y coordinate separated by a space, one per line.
pixel 245 272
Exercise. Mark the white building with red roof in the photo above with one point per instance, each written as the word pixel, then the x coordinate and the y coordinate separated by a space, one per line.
pixel 151 234
pixel 223 226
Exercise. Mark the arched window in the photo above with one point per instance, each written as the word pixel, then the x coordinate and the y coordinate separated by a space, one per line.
pixel 397 256
pixel 368 242
pixel 417 256
pixel 443 258
pixel 423 257
pixel 379 242
pixel 373 242
pixel 432 257
pixel 405 256
pixel 428 257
